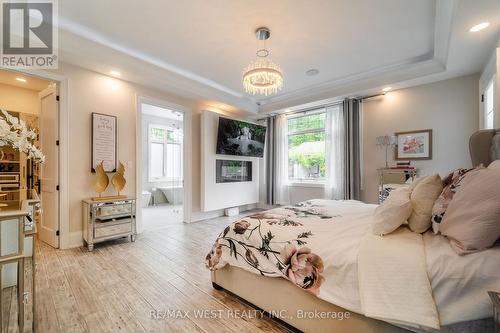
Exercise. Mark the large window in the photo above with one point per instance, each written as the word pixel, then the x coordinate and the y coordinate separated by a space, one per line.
pixel 489 105
pixel 165 154
pixel 306 148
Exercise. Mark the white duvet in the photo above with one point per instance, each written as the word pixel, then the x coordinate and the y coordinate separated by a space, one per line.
pixel 393 280
pixel 325 261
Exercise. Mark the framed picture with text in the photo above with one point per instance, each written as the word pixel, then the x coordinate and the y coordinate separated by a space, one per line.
pixel 104 137
pixel 414 145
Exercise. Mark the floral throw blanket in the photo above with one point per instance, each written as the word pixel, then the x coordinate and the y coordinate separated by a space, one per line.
pixel 298 243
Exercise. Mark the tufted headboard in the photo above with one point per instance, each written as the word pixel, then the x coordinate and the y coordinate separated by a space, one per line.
pixel 484 146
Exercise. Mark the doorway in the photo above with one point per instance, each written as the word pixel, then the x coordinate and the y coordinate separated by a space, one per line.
pixel 162 166
pixel 35 102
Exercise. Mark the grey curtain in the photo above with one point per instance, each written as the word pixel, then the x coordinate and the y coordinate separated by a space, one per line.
pixel 352 187
pixel 270 161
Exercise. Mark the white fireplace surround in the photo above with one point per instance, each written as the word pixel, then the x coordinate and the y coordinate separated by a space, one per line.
pixel 214 195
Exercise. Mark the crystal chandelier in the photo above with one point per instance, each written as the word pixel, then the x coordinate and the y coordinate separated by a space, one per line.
pixel 262 76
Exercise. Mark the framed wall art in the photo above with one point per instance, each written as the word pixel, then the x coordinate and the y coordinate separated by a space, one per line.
pixel 104 137
pixel 414 145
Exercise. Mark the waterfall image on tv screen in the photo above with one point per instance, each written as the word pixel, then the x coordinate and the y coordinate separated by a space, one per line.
pixel 240 138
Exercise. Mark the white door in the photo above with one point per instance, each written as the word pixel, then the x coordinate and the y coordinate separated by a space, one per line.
pixel 48 227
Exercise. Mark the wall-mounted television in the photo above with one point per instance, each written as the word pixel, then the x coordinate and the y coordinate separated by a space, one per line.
pixel 235 137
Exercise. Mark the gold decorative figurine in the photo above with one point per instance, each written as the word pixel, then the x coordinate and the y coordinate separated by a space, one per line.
pixel 118 179
pixel 101 180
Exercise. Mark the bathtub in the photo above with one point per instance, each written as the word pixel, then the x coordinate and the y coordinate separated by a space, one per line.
pixel 174 194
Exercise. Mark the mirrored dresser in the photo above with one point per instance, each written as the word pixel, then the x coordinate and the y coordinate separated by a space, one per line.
pixel 107 219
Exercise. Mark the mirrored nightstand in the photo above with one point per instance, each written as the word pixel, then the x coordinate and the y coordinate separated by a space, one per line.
pixel 390 179
pixel 108 219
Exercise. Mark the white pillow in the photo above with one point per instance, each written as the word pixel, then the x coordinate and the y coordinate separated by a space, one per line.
pixel 393 212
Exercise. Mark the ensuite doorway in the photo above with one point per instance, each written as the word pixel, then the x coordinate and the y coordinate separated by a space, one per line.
pixel 162 154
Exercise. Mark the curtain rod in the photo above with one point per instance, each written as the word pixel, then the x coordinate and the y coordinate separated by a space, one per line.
pixel 312 108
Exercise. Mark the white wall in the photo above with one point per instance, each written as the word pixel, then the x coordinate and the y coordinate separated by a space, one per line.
pixel 197 213
pixel 146 120
pixel 448 107
pixel 89 92
pixel 216 196
pixel 92 92
pixel 18 99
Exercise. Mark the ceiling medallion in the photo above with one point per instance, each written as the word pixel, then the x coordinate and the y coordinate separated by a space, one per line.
pixel 262 76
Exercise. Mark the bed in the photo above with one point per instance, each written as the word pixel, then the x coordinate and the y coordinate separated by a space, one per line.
pixel 314 262
pixel 332 233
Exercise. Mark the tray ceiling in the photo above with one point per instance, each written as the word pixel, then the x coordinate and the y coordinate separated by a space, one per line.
pixel 209 43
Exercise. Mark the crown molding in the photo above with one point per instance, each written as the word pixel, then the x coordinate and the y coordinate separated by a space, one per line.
pixel 352 86
pixel 142 69
pixel 445 14
pixel 91 35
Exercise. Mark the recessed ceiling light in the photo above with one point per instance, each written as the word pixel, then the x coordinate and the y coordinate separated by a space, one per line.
pixel 386 89
pixel 312 72
pixel 115 73
pixel 479 27
pixel 20 79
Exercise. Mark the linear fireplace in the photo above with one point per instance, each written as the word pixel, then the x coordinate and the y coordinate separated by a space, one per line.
pixel 232 171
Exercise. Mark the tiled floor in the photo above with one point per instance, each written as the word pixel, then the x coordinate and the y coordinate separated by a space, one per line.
pixel 161 216
pixel 117 286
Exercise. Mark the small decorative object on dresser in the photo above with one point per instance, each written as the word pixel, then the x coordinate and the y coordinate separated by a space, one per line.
pixel 101 180
pixel 108 219
pixel 118 179
pixel 414 145
pixel 392 178
pixel 495 299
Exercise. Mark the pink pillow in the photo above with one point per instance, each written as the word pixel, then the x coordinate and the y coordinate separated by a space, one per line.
pixel 472 220
pixel 451 184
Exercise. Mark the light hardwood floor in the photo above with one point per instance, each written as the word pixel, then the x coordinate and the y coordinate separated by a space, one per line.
pixel 115 288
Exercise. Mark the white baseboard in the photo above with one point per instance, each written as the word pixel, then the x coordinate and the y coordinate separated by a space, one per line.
pixel 75 239
pixel 263 205
pixel 200 216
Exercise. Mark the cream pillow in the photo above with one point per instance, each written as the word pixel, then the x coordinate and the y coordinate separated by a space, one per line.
pixel 393 212
pixel 494 165
pixel 415 182
pixel 422 200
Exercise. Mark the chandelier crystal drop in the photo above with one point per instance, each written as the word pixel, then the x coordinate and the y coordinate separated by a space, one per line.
pixel 262 76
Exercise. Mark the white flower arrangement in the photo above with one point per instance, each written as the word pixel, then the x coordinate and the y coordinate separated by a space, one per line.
pixel 15 133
